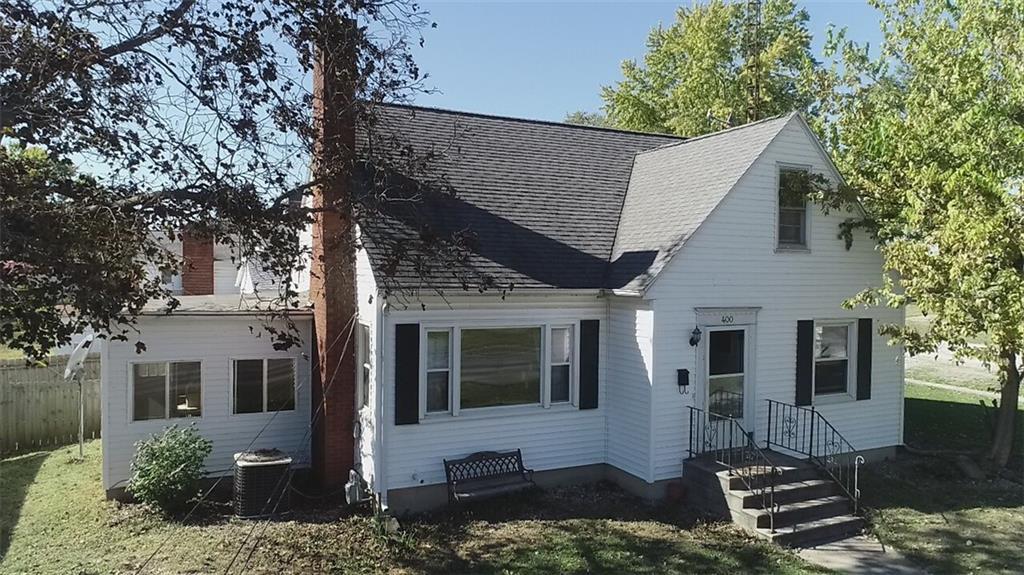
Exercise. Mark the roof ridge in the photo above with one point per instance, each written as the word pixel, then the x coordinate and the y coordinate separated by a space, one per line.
pixel 728 130
pixel 533 121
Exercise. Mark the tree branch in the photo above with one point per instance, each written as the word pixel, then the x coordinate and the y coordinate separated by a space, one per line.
pixel 147 36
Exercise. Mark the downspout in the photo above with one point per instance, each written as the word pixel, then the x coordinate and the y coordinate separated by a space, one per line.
pixel 380 413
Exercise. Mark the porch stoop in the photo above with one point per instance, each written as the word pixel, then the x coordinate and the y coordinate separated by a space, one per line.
pixel 811 508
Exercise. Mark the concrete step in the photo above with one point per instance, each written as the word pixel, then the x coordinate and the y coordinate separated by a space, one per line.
pixel 815 532
pixel 802 512
pixel 760 477
pixel 786 493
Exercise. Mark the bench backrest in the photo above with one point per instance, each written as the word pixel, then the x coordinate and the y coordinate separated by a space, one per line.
pixel 484 464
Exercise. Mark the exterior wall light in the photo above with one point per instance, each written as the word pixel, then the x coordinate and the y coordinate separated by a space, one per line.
pixel 695 337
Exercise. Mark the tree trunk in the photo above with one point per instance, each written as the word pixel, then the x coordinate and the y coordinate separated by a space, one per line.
pixel 1006 424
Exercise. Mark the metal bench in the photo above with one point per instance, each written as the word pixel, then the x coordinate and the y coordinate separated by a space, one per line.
pixel 486 474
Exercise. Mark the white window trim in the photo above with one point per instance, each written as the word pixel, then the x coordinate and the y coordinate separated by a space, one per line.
pixel 424 370
pixel 851 364
pixel 167 389
pixel 454 375
pixel 572 363
pixel 791 248
pixel 264 358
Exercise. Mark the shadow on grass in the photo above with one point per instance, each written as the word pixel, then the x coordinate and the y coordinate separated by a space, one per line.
pixel 585 529
pixel 927 508
pixel 16 476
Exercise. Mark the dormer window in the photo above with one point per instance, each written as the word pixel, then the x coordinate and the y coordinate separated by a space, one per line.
pixel 792 208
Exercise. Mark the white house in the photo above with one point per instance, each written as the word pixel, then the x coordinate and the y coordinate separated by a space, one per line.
pixel 649 275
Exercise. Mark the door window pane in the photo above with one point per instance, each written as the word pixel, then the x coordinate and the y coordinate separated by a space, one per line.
pixel 149 391
pixel 186 393
pixel 500 367
pixel 726 352
pixel 280 384
pixel 725 395
pixel 248 386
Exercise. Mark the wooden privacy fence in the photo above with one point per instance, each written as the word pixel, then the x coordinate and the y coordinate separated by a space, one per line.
pixel 39 408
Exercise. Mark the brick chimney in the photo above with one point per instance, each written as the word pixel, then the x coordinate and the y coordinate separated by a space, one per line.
pixel 197 269
pixel 332 286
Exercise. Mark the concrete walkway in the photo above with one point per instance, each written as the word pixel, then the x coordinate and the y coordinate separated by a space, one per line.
pixel 957 389
pixel 860 555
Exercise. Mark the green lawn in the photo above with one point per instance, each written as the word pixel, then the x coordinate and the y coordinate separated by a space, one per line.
pixel 61 524
pixel 924 506
pixel 918 321
pixel 8 353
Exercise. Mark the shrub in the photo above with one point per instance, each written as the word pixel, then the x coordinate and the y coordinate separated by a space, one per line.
pixel 167 468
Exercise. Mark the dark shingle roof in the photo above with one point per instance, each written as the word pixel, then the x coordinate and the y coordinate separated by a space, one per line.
pixel 543 199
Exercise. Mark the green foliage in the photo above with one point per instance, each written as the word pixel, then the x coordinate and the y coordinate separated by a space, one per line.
pixel 931 135
pixel 595 119
pixel 167 468
pixel 706 61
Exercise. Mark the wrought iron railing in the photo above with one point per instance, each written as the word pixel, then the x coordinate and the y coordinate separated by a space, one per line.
pixel 723 439
pixel 805 431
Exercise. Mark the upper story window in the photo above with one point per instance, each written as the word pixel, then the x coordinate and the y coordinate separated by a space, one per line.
pixel 468 368
pixel 832 357
pixel 166 389
pixel 792 215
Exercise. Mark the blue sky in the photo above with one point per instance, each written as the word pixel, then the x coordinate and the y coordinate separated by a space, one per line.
pixel 540 60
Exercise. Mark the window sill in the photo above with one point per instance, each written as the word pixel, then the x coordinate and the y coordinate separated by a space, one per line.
pixel 485 413
pixel 832 398
pixel 784 249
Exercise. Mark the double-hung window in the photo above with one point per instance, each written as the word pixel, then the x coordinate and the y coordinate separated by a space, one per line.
pixel 439 370
pixel 166 389
pixel 478 367
pixel 792 215
pixel 832 352
pixel 263 385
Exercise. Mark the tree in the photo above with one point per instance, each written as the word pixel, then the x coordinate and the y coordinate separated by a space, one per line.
pixel 123 123
pixel 709 61
pixel 595 119
pixel 930 135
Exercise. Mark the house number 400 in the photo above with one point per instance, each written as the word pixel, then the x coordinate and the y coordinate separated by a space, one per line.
pixel 727 319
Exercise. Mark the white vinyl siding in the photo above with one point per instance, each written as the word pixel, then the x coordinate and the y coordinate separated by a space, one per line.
pixel 731 261
pixel 413 454
pixel 212 341
pixel 630 361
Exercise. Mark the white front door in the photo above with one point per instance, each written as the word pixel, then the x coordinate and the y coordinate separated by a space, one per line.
pixel 728 372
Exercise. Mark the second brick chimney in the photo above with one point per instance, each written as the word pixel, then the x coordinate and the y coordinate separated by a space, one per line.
pixel 197 269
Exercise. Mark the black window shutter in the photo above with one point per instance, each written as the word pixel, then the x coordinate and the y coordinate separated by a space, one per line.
pixel 407 373
pixel 865 331
pixel 590 344
pixel 804 361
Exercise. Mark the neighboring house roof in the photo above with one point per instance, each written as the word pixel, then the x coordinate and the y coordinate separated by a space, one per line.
pixel 227 304
pixel 674 189
pixel 562 206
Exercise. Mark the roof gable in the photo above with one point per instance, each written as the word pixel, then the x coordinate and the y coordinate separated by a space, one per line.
pixel 673 190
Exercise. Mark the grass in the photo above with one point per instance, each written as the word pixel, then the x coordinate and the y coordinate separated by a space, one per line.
pixel 61 524
pixel 8 353
pixel 927 509
pixel 920 322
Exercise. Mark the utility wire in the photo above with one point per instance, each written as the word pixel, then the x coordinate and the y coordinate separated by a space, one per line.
pixel 277 487
pixel 212 488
